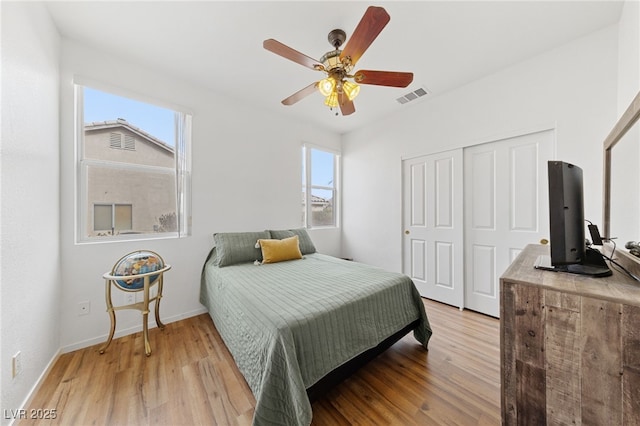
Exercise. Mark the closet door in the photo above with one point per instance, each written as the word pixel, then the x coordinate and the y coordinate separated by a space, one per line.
pixel 433 223
pixel 506 208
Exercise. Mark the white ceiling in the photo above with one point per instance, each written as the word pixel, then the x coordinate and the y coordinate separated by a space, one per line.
pixel 218 45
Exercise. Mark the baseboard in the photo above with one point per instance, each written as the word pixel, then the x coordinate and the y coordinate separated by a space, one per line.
pixel 34 389
pixel 131 330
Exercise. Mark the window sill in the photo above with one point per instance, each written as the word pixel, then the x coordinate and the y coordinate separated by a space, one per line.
pixel 131 237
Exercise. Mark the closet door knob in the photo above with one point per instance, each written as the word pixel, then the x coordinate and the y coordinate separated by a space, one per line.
pixel 406 232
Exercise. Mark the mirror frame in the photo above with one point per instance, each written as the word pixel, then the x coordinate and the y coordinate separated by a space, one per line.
pixel 628 119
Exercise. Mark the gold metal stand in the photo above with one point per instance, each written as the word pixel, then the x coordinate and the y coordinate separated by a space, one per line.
pixel 141 306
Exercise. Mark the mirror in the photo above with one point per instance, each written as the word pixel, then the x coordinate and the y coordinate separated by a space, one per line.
pixel 621 204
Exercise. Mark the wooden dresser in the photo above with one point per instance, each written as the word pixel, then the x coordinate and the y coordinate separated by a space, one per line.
pixel 569 346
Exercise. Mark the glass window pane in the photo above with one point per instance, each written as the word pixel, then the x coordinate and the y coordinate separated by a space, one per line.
pixel 149 195
pixel 101 108
pixel 322 168
pixel 322 211
pixel 123 217
pixel 130 154
pixel 101 217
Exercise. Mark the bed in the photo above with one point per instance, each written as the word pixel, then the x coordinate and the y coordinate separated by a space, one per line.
pixel 292 325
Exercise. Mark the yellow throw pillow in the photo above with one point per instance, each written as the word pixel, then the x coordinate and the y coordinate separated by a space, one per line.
pixel 278 250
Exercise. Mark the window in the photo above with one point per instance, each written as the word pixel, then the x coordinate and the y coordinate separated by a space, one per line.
pixel 319 187
pixel 112 217
pixel 133 168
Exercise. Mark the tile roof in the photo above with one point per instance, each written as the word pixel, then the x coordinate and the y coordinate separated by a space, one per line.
pixel 121 122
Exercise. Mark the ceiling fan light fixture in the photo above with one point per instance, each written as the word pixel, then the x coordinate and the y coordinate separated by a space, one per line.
pixel 350 89
pixel 331 60
pixel 332 100
pixel 326 86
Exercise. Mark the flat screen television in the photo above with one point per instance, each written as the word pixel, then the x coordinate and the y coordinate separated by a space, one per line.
pixel 569 252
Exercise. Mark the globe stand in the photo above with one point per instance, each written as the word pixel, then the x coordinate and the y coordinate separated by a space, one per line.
pixel 150 279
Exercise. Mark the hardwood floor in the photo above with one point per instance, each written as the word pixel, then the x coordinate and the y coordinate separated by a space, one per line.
pixel 191 379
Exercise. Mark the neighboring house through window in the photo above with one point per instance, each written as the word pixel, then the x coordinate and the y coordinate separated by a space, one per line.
pixel 134 168
pixel 320 171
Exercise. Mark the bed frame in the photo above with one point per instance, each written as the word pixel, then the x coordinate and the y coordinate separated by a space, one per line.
pixel 334 377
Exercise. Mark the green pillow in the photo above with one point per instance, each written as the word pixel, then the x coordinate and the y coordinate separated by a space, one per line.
pixel 238 247
pixel 306 244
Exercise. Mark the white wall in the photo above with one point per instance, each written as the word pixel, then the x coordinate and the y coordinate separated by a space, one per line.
pixel 571 88
pixel 30 234
pixel 246 176
pixel 628 54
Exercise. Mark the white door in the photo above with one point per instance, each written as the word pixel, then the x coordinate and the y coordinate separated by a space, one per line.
pixel 433 224
pixel 505 209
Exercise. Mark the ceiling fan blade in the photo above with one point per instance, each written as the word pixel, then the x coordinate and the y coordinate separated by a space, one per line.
pixel 346 106
pixel 384 78
pixel 300 94
pixel 293 55
pixel 373 21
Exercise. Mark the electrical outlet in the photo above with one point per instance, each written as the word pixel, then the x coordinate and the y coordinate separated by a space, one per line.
pixel 84 308
pixel 16 364
pixel 129 298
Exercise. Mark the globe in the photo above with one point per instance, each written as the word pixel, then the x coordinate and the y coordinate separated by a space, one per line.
pixel 138 262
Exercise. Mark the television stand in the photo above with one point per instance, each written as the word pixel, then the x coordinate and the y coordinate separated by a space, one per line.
pixel 593 265
pixel 566 346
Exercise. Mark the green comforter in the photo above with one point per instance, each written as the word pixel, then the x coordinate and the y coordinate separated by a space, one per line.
pixel 287 324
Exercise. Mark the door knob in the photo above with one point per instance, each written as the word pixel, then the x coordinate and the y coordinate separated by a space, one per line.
pixel 406 232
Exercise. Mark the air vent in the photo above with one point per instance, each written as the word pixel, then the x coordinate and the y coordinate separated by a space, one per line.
pixel 129 143
pixel 418 93
pixel 115 140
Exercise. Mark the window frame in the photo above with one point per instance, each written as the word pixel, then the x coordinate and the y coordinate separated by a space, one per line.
pixel 181 170
pixel 307 185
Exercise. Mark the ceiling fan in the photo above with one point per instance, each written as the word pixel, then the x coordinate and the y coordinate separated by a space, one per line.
pixel 337 64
